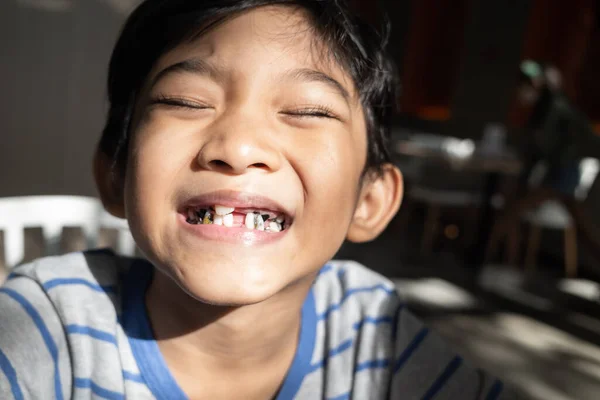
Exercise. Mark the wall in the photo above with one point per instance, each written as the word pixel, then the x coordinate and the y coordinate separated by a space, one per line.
pixel 52 78
pixel 487 77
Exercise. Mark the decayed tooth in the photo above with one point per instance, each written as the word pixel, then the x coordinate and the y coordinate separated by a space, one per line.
pixel 274 226
pixel 280 218
pixel 222 210
pixel 207 218
pixel 249 221
pixel 191 217
pixel 201 213
pixel 218 220
pixel 228 220
pixel 260 224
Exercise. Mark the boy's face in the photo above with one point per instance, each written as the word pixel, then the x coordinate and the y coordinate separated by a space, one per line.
pixel 250 109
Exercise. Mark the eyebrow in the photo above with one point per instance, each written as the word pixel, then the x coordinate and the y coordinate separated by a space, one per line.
pixel 201 67
pixel 195 66
pixel 311 75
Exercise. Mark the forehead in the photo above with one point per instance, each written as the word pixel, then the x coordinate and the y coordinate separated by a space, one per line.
pixel 282 35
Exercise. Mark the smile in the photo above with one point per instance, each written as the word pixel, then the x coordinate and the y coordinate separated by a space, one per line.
pixel 232 217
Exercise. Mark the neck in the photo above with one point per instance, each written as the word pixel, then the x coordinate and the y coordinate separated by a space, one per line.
pixel 224 338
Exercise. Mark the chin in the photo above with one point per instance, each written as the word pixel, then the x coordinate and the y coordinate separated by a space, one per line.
pixel 228 284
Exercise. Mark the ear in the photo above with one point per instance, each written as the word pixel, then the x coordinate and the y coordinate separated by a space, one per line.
pixel 379 201
pixel 110 186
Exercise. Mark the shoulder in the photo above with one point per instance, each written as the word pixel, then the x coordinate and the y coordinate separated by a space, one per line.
pixel 348 295
pixel 371 345
pixel 79 286
pixel 355 312
pixel 90 268
pixel 341 281
pixel 59 318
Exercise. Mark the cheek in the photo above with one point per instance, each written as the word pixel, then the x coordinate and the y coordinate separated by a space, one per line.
pixel 329 171
pixel 152 171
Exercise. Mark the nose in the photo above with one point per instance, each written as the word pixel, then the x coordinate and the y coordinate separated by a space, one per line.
pixel 239 143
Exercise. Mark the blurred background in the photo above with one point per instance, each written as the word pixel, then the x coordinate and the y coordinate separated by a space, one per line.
pixel 497 134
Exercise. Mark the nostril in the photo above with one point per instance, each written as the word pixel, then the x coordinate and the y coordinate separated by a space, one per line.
pixel 220 164
pixel 259 165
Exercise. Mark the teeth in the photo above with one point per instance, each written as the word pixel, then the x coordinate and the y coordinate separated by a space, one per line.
pixel 274 226
pixel 223 216
pixel 249 221
pixel 191 217
pixel 222 210
pixel 207 218
pixel 228 220
pixel 260 224
pixel 201 213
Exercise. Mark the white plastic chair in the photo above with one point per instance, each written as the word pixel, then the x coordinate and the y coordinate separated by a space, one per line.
pixel 125 242
pixel 553 215
pixel 52 214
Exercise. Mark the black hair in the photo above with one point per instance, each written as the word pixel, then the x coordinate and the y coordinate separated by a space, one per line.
pixel 158 26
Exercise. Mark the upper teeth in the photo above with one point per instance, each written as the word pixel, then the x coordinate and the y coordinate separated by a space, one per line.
pixel 249 221
pixel 259 222
pixel 222 210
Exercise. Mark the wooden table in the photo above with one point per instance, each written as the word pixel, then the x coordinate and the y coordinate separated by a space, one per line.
pixel 503 162
pixel 493 165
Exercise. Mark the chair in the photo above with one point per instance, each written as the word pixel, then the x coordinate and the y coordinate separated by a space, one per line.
pixel 125 243
pixel 549 213
pixel 53 214
pixel 438 187
pixel 554 215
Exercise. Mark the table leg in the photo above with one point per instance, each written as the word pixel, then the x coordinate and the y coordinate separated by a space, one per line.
pixel 476 256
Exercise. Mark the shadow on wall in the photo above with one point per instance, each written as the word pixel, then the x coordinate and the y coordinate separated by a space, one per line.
pixel 59 52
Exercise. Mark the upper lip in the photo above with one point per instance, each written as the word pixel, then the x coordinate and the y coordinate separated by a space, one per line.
pixel 236 199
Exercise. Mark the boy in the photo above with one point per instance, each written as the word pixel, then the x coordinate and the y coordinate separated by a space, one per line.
pixel 244 143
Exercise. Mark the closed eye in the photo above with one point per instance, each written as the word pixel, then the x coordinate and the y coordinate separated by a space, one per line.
pixel 179 102
pixel 311 112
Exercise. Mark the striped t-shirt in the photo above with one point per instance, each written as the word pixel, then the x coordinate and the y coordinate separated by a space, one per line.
pixel 75 326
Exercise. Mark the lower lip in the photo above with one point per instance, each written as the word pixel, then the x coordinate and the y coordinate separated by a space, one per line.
pixel 234 235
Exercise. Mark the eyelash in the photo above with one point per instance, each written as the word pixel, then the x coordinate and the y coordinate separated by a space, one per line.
pixel 317 111
pixel 312 111
pixel 179 102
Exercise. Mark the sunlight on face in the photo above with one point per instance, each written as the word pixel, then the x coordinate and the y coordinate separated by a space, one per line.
pixel 250 107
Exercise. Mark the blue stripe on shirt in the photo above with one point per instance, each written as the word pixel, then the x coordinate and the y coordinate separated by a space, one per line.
pixel 353 291
pixel 83 383
pixel 373 320
pixel 46 336
pixel 410 349
pixel 77 281
pixel 443 378
pixel 8 370
pixel 495 390
pixel 332 353
pixel 94 333
pixel 372 364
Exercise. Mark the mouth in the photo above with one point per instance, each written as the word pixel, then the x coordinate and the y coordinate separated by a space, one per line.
pixel 236 210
